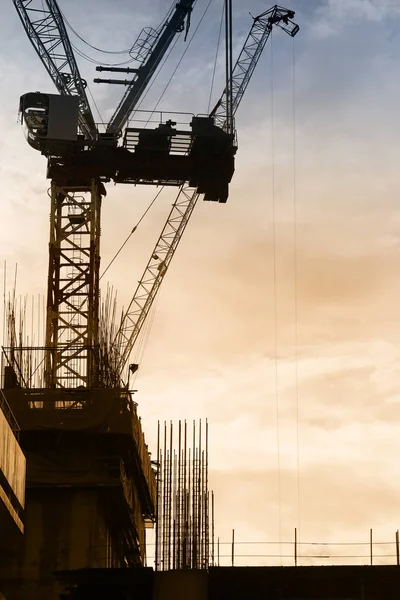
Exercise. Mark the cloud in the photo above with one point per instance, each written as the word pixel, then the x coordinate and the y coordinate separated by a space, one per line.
pixel 335 15
pixel 343 501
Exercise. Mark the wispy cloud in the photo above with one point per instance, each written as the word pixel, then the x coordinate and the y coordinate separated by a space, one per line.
pixel 335 15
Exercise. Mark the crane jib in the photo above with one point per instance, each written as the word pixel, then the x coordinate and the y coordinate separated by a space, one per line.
pixel 248 59
pixel 151 61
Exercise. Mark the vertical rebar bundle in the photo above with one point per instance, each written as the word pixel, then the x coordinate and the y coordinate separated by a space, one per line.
pixel 23 334
pixel 23 339
pixel 183 499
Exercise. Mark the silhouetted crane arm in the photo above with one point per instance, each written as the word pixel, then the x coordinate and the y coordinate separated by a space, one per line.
pixel 136 313
pixel 248 59
pixel 149 49
pixel 44 25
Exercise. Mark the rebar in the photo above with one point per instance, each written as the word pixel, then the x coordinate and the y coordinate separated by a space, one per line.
pixel 182 528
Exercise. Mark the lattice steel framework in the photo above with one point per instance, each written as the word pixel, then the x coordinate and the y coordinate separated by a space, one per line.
pixel 73 286
pixel 248 59
pixel 44 25
pixel 151 50
pixel 152 277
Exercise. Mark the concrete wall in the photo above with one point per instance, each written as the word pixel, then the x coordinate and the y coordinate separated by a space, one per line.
pixel 64 529
pixel 239 583
pixel 12 471
pixel 305 583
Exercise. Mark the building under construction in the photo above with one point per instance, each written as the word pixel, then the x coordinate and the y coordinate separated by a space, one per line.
pixel 78 527
pixel 12 480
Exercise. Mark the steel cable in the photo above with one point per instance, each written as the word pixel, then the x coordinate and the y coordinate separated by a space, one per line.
pixel 131 233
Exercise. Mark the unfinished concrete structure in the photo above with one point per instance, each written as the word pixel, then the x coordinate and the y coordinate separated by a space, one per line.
pixel 90 490
pixel 12 472
pixel 12 483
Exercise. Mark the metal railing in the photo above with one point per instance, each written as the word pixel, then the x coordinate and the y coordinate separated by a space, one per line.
pixel 247 553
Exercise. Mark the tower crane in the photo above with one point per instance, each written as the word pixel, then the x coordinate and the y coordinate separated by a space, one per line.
pixel 80 160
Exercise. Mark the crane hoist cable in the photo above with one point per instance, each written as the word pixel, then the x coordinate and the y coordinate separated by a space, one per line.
pixel 161 66
pixel 95 103
pixel 216 57
pixel 182 57
pixel 275 293
pixel 132 232
pixel 87 43
pixel 275 301
pixel 159 69
pixel 145 334
pixel 96 62
pixel 296 326
pixel 150 58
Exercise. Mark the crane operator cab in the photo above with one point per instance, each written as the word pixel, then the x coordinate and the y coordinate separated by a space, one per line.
pixel 50 122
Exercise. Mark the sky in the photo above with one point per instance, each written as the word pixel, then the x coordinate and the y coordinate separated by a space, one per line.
pixel 278 320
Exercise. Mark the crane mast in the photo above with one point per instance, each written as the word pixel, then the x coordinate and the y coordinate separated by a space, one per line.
pixel 238 79
pixel 73 293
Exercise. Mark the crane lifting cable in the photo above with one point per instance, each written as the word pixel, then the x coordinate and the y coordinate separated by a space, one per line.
pixel 160 68
pixel 126 51
pixel 275 306
pixel 181 58
pixel 296 295
pixel 132 232
pixel 216 57
pixel 148 50
pixel 96 62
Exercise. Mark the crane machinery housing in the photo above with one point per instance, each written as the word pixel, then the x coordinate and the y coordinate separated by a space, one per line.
pixel 91 483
